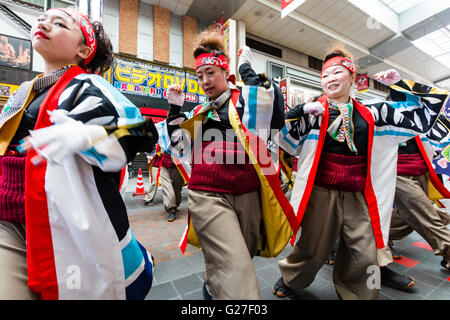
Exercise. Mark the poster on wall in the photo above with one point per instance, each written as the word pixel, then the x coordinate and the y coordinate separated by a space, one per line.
pixel 152 80
pixel 15 52
pixel 362 81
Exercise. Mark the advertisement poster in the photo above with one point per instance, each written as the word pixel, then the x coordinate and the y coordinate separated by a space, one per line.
pixel 362 80
pixel 152 80
pixel 15 52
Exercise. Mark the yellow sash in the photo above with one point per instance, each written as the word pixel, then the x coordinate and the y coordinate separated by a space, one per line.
pixel 277 230
pixel 9 128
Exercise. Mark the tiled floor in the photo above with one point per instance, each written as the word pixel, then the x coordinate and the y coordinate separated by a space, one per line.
pixel 180 277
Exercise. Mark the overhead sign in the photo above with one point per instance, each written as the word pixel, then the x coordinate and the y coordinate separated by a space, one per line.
pixel 287 6
pixel 152 80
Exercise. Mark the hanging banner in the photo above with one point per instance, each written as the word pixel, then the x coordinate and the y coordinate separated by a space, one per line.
pixel 230 36
pixel 287 6
pixel 362 81
pixel 284 91
pixel 152 80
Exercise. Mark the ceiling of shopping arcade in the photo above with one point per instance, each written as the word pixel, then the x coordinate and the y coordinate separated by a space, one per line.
pixel 412 36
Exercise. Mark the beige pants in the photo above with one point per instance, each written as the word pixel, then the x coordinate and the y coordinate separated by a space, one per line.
pixel 330 215
pixel 150 195
pixel 172 183
pixel 415 212
pixel 227 227
pixel 13 263
pixel 384 256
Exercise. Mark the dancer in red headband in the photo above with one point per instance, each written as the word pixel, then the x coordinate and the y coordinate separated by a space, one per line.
pixel 345 183
pixel 64 230
pixel 228 193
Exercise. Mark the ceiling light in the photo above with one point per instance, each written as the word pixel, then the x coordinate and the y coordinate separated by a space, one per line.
pixel 400 6
pixel 436 45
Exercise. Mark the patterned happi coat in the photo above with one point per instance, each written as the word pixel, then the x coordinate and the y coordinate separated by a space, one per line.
pixel 79 241
pixel 389 123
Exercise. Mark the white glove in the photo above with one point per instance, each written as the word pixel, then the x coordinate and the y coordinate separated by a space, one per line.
pixel 175 95
pixel 245 56
pixel 314 108
pixel 66 137
pixel 388 77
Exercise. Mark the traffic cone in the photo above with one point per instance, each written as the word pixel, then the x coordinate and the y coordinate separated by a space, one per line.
pixel 139 185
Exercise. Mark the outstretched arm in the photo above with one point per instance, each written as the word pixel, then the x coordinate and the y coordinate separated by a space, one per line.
pixel 415 110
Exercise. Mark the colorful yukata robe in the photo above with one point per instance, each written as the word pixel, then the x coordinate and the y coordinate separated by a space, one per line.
pixel 79 241
pixel 390 123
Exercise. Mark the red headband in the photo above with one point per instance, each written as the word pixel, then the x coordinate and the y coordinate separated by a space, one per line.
pixel 86 28
pixel 214 59
pixel 339 61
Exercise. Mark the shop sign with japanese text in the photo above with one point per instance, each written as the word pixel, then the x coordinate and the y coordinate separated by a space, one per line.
pixel 152 80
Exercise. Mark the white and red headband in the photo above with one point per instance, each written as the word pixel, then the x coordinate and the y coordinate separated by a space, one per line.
pixel 86 28
pixel 214 59
pixel 339 61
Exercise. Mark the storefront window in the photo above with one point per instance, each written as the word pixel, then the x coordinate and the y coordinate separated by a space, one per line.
pixel 62 4
pixel 35 3
pixel 276 72
pixel 42 4
pixel 299 93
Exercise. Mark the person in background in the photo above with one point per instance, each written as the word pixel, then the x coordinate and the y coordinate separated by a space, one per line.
pixel 171 183
pixel 414 211
pixel 154 170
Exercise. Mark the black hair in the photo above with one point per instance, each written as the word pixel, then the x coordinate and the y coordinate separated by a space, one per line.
pixel 103 58
pixel 210 41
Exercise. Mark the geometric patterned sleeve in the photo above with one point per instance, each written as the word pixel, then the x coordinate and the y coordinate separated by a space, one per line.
pixel 439 135
pixel 93 101
pixel 414 109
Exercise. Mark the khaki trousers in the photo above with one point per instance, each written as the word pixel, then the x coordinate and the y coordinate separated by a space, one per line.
pixel 227 227
pixel 416 212
pixel 330 215
pixel 13 263
pixel 150 195
pixel 172 183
